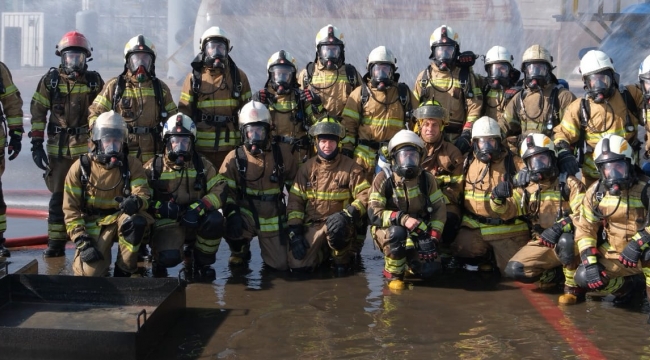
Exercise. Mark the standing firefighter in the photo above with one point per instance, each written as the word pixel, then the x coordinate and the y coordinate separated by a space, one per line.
pixel 407 211
pixel 66 92
pixel 11 114
pixel 143 100
pixel 487 236
pixel 540 105
pixel 290 115
pixel 444 161
pixel 327 200
pixel 328 80
pixel 257 172
pixel 450 80
pixel 186 197
pixel 617 206
pixel 105 200
pixel 212 95
pixel 550 201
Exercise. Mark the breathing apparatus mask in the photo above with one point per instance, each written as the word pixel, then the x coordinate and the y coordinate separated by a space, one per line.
pixel 406 162
pixel 542 166
pixel 140 64
pixel 281 77
pixel 498 75
pixel 616 176
pixel 215 54
pixel 73 63
pixel 537 75
pixel 487 149
pixel 329 56
pixel 600 85
pixel 255 137
pixel 108 149
pixel 179 149
pixel 645 86
pixel 382 76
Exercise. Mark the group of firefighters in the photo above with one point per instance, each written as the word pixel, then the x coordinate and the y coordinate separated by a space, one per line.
pixel 490 171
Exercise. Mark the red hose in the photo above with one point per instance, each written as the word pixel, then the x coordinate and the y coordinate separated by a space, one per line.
pixel 27 213
pixel 26 241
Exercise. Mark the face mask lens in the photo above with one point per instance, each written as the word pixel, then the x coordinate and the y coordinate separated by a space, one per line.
pixel 111 144
pixel 74 60
pixel 444 52
pixel 281 74
pixel 498 70
pixel 407 158
pixel 381 71
pixel 536 69
pixel 615 171
pixel 646 86
pixel 599 81
pixel 330 51
pixel 255 133
pixel 487 144
pixel 180 143
pixel 539 162
pixel 140 59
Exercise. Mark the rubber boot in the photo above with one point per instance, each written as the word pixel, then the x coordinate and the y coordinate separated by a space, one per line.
pixel 4 252
pixel 551 279
pixel 143 253
pixel 572 295
pixel 117 272
pixel 206 273
pixel 394 282
pixel 239 257
pixel 55 248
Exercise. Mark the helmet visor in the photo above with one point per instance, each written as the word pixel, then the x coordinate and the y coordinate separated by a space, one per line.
pixel 215 49
pixel 281 73
pixel 407 157
pixel 498 70
pixel 111 142
pixel 615 171
pixel 487 144
pixel 537 69
pixel 329 51
pixel 140 59
pixel 539 162
pixel 598 81
pixel 444 52
pixel 74 60
pixel 180 144
pixel 255 133
pixel 382 71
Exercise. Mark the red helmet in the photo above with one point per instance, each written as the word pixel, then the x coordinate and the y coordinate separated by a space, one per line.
pixel 73 39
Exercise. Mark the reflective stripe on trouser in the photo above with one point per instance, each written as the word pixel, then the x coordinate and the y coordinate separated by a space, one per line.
pixel 569 277
pixel 105 236
pixel 392 265
pixel 616 273
pixel 536 259
pixel 274 254
pixel 470 244
pixel 54 181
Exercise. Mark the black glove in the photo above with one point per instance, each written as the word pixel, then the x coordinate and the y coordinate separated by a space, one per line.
pixel 521 179
pixel 501 192
pixel 464 141
pixel 298 242
pixel 234 221
pixel 551 236
pixel 15 144
pixel 427 246
pixel 39 156
pixel 167 210
pixel 309 96
pixel 348 152
pixel 192 216
pixel 87 251
pixel 338 226
pixel 596 276
pixel 632 252
pixel 567 162
pixel 467 58
pixel 264 96
pixel 130 205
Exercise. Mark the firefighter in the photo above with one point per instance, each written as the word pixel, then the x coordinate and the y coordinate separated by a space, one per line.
pixel 617 205
pixel 327 200
pixel 212 94
pixel 66 92
pixel 407 212
pixel 603 110
pixel 328 81
pixel 186 197
pixel 550 201
pixel 105 200
pixel 291 117
pixel 487 236
pixel 541 104
pixel 644 88
pixel 144 101
pixel 257 173
pixel 445 162
pixel 11 114
pixel 450 80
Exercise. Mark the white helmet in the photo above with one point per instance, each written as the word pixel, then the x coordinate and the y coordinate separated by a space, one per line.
pixel 179 133
pixel 486 127
pixel 443 35
pixel 612 147
pixel 280 58
pixel 595 61
pixel 329 34
pixel 644 69
pixel 213 32
pixel 255 126
pixel 536 143
pixel 381 54
pixel 108 127
pixel 406 151
pixel 179 124
pixel 139 53
pixel 498 54
pixel 139 44
pixel 330 47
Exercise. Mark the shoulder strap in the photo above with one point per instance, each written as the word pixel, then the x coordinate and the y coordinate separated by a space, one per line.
pixel 199 181
pixel 365 94
pixel 629 101
pixel 236 80
pixel 388 186
pixel 126 175
pixel 158 93
pixel 2 84
pixel 278 169
pixel 463 77
pixel 52 83
pixel 424 81
pixel 564 190
pixel 308 75
pixel 351 74
pixel 585 112
pixel 84 162
pixel 92 78
pixel 157 168
pixel 403 92
pixel 424 189
pixel 120 83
